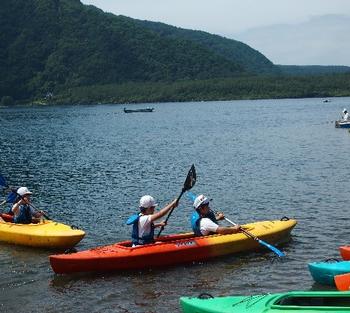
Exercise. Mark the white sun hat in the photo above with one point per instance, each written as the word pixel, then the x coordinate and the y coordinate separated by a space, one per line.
pixel 22 191
pixel 199 201
pixel 147 202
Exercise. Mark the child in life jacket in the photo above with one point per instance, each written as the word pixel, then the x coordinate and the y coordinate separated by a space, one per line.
pixel 143 222
pixel 204 220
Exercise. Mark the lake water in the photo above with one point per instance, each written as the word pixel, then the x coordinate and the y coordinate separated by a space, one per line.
pixel 258 160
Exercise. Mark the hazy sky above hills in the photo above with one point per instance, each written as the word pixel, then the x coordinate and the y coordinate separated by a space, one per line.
pixel 300 32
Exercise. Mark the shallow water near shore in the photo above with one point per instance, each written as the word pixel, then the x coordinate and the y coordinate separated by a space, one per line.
pixel 259 160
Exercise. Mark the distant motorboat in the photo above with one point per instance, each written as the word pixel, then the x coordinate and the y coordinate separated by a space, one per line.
pixel 342 124
pixel 138 110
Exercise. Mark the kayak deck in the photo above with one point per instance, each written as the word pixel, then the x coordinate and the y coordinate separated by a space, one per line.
pixel 295 301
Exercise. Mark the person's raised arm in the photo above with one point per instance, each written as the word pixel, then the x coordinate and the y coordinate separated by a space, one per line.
pixel 15 207
pixel 164 211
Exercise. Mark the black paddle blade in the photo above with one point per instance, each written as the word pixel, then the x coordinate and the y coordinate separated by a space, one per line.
pixel 190 179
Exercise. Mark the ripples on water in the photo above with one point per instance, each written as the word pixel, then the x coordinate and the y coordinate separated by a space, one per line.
pixel 89 165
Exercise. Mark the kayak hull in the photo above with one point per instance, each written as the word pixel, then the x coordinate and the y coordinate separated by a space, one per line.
pixel 345 252
pixel 169 250
pixel 295 301
pixel 342 124
pixel 342 282
pixel 324 272
pixel 46 234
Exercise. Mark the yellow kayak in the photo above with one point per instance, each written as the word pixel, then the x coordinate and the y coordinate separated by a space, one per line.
pixel 46 234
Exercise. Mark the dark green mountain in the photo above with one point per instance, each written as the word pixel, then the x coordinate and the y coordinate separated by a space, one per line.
pixel 50 45
pixel 80 54
pixel 235 51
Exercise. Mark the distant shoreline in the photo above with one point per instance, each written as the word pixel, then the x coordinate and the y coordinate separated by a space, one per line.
pixel 238 88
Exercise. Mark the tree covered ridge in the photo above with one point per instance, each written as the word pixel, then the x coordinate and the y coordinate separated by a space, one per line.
pixel 52 44
pixel 70 50
pixel 252 87
pixel 250 59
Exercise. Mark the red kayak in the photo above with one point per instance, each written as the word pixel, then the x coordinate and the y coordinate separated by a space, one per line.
pixel 170 250
pixel 342 282
pixel 345 252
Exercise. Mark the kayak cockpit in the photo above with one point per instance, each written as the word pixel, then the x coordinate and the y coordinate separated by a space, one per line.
pixel 163 239
pixel 8 218
pixel 312 301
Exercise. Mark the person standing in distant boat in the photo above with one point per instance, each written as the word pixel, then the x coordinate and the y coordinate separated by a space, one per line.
pixel 143 222
pixel 346 115
pixel 22 211
pixel 204 221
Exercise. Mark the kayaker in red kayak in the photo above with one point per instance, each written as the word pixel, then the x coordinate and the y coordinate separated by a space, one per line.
pixel 204 221
pixel 143 222
pixel 23 212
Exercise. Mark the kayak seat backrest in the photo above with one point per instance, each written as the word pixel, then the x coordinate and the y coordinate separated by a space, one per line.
pixel 339 301
pixel 7 218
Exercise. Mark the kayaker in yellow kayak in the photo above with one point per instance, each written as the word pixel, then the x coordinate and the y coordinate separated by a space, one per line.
pixel 23 212
pixel 204 221
pixel 143 226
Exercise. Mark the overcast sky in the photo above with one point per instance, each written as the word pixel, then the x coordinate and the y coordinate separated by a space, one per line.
pixel 247 20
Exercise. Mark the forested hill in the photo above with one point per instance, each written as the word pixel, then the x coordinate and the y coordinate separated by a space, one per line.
pixel 50 45
pixel 235 51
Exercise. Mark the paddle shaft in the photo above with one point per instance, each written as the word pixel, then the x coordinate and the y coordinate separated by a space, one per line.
pixel 242 229
pixel 42 212
pixel 36 209
pixel 171 211
pixel 262 242
pixel 188 184
pixel 177 201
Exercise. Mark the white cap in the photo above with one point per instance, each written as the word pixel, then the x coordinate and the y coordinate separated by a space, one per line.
pixel 200 200
pixel 345 110
pixel 22 191
pixel 147 202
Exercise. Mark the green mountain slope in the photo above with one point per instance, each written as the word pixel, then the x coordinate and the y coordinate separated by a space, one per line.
pixel 82 54
pixel 48 45
pixel 235 51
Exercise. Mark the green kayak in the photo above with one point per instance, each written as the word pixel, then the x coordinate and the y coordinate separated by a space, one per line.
pixel 294 301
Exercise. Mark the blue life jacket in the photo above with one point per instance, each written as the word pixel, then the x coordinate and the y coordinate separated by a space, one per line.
pixel 195 221
pixel 136 240
pixel 10 212
pixel 24 216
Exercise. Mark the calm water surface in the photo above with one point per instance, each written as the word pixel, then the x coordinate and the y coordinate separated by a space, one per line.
pixel 258 160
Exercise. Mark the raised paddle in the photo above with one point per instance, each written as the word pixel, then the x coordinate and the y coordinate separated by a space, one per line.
pixel 189 183
pixel 192 197
pixel 14 191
